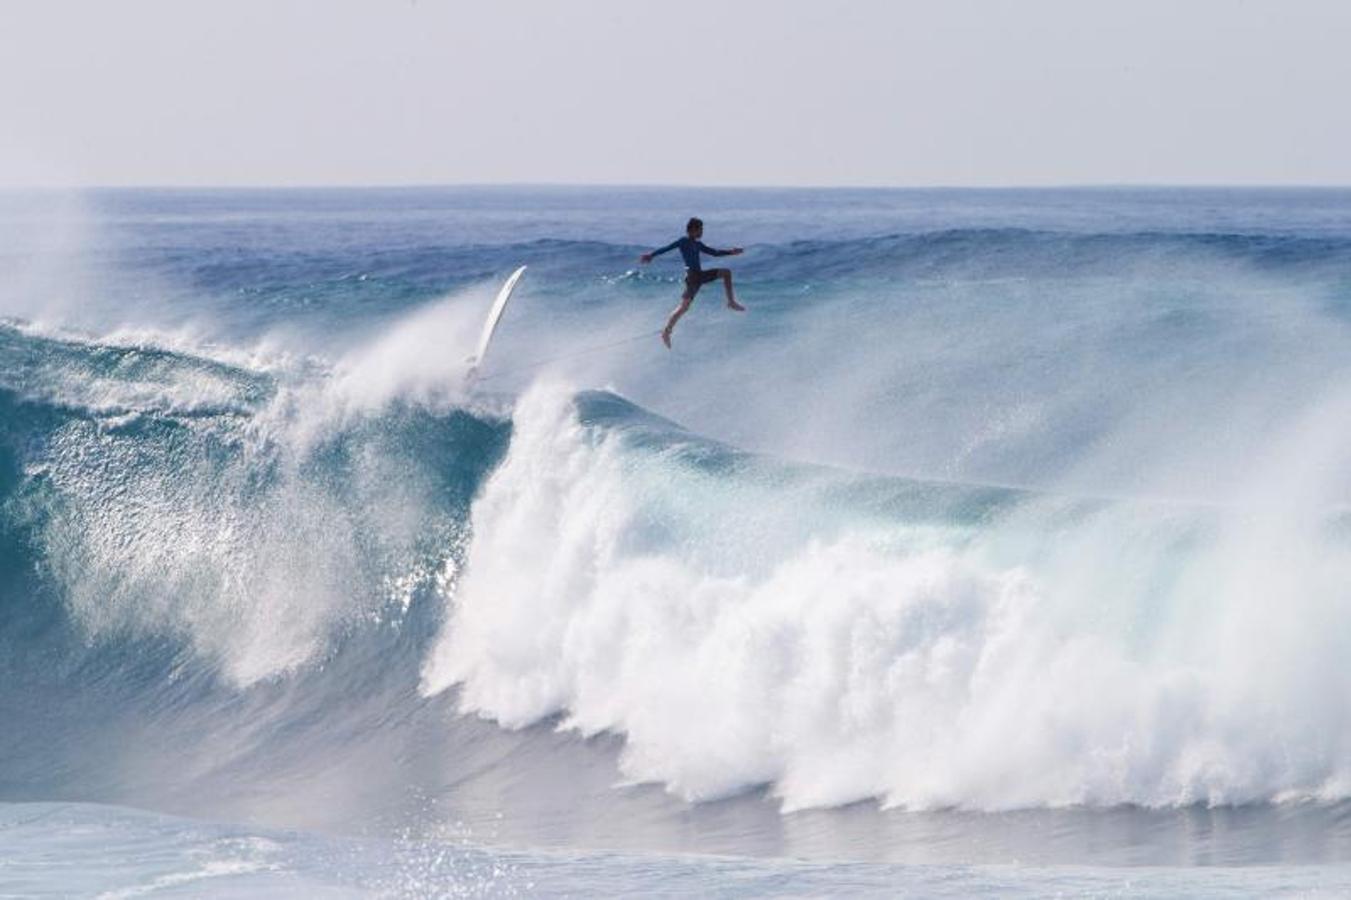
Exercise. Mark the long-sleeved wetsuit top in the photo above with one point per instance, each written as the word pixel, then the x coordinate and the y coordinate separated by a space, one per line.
pixel 690 249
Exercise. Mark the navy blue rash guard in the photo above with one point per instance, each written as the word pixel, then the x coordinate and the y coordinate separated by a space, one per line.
pixel 689 249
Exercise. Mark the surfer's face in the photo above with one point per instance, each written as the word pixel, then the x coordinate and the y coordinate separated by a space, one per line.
pixel 697 233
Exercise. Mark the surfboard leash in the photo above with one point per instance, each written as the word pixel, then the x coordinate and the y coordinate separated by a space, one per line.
pixel 585 351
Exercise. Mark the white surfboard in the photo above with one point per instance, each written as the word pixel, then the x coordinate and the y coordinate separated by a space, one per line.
pixel 490 326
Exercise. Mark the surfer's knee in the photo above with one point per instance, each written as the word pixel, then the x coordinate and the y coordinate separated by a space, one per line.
pixel 727 276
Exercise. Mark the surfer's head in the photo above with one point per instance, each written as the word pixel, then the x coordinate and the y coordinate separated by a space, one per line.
pixel 694 227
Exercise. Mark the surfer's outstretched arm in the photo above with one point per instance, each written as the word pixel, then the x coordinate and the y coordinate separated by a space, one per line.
pixel 712 251
pixel 648 257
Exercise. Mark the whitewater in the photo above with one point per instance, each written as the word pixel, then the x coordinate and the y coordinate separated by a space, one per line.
pixel 1001 546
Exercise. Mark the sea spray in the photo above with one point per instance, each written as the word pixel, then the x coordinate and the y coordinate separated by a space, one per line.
pixel 991 499
pixel 872 664
pixel 252 514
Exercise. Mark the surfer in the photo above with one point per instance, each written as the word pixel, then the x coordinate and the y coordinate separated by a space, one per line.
pixel 695 276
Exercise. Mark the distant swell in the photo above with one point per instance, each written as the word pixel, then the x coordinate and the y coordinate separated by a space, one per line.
pixel 265 274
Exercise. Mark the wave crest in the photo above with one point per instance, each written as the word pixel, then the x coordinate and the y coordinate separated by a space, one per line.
pixel 893 660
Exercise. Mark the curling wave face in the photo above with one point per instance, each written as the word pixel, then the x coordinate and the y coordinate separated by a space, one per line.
pixel 742 623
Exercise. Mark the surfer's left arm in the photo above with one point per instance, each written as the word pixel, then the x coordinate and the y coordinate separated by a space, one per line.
pixel 711 251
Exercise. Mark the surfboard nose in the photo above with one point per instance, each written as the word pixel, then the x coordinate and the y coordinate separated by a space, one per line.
pixel 494 316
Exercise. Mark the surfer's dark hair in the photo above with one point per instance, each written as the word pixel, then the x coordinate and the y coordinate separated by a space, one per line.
pixel 693 224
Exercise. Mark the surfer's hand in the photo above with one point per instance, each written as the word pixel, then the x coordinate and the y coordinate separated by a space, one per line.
pixel 737 251
pixel 645 258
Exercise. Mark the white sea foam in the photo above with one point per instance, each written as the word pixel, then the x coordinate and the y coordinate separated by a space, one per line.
pixel 216 532
pixel 1113 664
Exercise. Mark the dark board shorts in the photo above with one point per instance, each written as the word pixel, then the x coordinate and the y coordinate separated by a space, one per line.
pixel 695 280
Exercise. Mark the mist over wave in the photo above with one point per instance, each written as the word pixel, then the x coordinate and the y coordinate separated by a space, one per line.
pixel 675 596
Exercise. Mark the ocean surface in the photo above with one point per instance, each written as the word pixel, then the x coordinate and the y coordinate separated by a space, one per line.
pixel 1002 546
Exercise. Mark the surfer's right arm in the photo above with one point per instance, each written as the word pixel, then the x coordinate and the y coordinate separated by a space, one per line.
pixel 647 257
pixel 711 251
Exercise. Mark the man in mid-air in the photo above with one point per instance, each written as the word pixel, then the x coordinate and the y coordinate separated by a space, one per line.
pixel 695 276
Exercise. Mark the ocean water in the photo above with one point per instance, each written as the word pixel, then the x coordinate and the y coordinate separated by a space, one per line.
pixel 1002 546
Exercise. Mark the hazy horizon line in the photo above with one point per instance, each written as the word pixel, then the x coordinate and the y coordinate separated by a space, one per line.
pixel 564 185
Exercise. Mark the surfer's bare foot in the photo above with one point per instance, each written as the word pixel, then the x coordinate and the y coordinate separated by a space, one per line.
pixel 732 304
pixel 666 337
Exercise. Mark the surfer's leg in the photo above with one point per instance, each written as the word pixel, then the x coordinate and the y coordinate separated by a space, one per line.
pixel 680 310
pixel 693 281
pixel 727 287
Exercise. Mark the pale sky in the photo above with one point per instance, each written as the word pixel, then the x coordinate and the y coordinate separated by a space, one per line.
pixel 738 92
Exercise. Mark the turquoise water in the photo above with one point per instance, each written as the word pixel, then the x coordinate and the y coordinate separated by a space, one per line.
pixel 999 547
